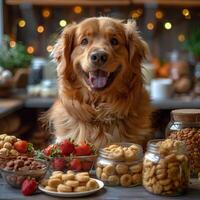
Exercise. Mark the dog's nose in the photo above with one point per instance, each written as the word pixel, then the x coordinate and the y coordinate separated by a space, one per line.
pixel 98 57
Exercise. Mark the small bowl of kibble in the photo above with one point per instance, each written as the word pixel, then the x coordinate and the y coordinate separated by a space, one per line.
pixel 23 167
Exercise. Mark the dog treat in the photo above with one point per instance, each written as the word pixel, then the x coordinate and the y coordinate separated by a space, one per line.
pixel 191 137
pixel 69 182
pixel 166 172
pixel 120 164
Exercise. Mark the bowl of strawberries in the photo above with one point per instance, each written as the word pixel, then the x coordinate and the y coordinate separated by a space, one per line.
pixel 67 155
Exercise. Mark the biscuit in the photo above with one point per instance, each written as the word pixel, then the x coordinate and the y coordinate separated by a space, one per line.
pixel 109 170
pixel 113 180
pixel 49 188
pixel 80 189
pixel 121 169
pixel 91 185
pixel 66 177
pixel 82 178
pixel 54 182
pixel 64 188
pixel 72 183
pixel 126 180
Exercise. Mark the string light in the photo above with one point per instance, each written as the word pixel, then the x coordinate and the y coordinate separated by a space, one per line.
pixel 49 48
pixel 181 37
pixel 30 49
pixel 12 43
pixel 168 25
pixel 78 9
pixel 159 14
pixel 46 13
pixel 185 12
pixel 22 23
pixel 150 26
pixel 40 29
pixel 63 23
pixel 136 13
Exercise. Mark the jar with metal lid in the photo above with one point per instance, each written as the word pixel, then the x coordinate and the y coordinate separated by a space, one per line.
pixel 185 126
pixel 120 165
pixel 165 167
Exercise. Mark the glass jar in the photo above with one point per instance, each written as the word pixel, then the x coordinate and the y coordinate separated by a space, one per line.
pixel 165 168
pixel 185 126
pixel 120 165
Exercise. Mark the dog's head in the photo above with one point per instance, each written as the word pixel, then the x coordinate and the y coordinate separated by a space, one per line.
pixel 101 54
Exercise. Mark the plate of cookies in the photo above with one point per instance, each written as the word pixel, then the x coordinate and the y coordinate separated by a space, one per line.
pixel 70 184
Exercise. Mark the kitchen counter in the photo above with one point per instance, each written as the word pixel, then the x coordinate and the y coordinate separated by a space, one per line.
pixel 107 193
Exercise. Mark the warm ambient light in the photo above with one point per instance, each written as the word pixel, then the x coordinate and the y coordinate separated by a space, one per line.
pixel 12 43
pixel 78 9
pixel 30 49
pixel 159 14
pixel 63 23
pixel 22 23
pixel 46 13
pixel 168 25
pixel 181 37
pixel 185 12
pixel 136 13
pixel 40 29
pixel 150 26
pixel 49 48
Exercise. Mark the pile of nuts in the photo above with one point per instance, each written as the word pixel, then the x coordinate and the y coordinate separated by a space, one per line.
pixel 69 182
pixel 191 137
pixel 24 163
pixel 167 171
pixel 122 165
pixel 6 145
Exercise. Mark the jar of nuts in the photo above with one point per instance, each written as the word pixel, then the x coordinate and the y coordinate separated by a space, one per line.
pixel 185 126
pixel 165 167
pixel 120 164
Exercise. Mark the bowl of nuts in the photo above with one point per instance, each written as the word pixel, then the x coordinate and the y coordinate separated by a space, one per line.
pixel 21 168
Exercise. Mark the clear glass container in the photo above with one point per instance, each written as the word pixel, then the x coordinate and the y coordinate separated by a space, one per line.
pixel 165 172
pixel 122 166
pixel 185 126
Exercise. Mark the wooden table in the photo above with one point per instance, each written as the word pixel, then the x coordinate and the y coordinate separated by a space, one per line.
pixel 108 193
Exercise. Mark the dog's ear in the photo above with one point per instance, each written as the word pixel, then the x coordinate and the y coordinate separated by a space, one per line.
pixel 64 46
pixel 137 47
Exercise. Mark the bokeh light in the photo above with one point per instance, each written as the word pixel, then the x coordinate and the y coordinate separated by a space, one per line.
pixel 12 43
pixel 49 48
pixel 22 23
pixel 135 14
pixel 46 13
pixel 185 12
pixel 40 29
pixel 181 37
pixel 168 25
pixel 30 49
pixel 150 26
pixel 159 14
pixel 63 23
pixel 78 9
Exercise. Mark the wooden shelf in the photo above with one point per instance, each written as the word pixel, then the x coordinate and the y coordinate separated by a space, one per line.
pixel 189 3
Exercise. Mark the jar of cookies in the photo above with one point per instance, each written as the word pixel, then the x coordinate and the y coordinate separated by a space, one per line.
pixel 166 167
pixel 185 126
pixel 120 165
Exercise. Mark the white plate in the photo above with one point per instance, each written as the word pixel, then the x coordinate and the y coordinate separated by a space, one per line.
pixel 73 194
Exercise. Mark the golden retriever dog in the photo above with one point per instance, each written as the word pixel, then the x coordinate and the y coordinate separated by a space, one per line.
pixel 101 96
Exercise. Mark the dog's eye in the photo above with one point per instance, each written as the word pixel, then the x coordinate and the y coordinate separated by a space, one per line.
pixel 84 41
pixel 114 42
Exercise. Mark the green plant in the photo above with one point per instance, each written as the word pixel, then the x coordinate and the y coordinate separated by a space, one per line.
pixel 192 42
pixel 15 57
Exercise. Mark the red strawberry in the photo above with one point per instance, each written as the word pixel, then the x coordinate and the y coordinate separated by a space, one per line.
pixel 66 147
pixel 21 146
pixel 75 164
pixel 29 186
pixel 48 150
pixel 86 165
pixel 59 164
pixel 83 149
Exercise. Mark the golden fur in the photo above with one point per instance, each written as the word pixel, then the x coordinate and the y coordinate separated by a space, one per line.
pixel 121 111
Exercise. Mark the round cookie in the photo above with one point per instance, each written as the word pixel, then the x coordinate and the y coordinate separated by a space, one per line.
pixel 109 170
pixel 54 182
pixel 113 180
pixel 80 189
pixel 121 168
pixel 64 188
pixel 92 184
pixel 66 177
pixel 72 183
pixel 126 180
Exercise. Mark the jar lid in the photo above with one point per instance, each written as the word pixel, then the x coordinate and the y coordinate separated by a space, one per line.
pixel 186 115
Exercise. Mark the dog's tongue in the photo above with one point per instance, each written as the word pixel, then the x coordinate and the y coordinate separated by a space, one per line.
pixel 98 79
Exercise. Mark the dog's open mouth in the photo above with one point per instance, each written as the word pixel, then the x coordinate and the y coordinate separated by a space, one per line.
pixel 99 79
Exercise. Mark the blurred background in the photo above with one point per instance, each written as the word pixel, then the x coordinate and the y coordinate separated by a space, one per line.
pixel 29 29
